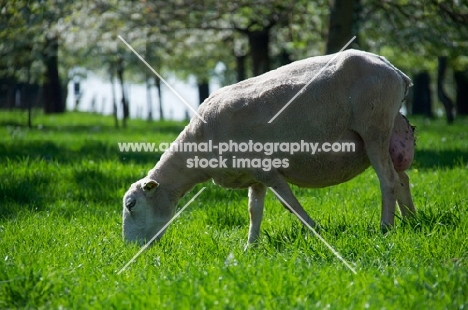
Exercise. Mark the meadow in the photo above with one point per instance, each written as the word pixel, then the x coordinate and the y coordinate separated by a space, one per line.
pixel 61 188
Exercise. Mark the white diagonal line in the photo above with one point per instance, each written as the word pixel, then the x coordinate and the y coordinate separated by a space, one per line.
pixel 161 78
pixel 159 232
pixel 315 233
pixel 302 89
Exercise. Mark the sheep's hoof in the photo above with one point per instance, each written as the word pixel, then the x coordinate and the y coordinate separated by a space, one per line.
pixel 251 245
pixel 385 228
pixel 316 227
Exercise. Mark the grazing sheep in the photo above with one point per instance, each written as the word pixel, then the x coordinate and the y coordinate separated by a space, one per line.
pixel 356 98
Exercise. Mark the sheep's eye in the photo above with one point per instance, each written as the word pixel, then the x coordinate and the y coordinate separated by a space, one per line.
pixel 130 203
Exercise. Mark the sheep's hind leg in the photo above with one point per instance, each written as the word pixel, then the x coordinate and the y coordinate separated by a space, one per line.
pixel 382 163
pixel 257 194
pixel 405 202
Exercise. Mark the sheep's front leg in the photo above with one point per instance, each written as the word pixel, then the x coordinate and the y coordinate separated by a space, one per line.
pixel 283 192
pixel 257 194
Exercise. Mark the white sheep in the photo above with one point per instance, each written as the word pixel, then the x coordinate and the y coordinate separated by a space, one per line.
pixel 355 99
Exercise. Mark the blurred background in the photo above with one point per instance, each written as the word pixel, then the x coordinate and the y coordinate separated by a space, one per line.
pixel 58 56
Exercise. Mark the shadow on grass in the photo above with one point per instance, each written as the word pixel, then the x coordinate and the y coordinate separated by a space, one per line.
pixel 91 185
pixel 22 195
pixel 63 193
pixel 433 159
pixel 31 186
pixel 169 127
pixel 67 153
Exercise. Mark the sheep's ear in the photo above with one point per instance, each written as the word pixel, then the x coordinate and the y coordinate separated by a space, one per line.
pixel 149 185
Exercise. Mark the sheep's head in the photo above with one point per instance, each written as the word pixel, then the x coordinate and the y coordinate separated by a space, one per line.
pixel 146 209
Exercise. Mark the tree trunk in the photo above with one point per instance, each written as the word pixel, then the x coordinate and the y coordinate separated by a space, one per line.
pixel 448 104
pixel 259 42
pixel 7 92
pixel 30 115
pixel 340 29
pixel 284 58
pixel 29 96
pixel 149 101
pixel 52 92
pixel 461 80
pixel 422 95
pixel 203 90
pixel 30 101
pixel 76 93
pixel 240 68
pixel 148 56
pixel 65 93
pixel 158 86
pixel 114 99
pixel 125 104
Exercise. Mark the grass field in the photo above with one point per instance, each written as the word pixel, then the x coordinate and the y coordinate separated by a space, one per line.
pixel 61 185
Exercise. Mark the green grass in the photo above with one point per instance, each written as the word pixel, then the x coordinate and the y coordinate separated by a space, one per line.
pixel 61 185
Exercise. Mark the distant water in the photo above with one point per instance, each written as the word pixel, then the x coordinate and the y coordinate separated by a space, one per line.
pixel 97 97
